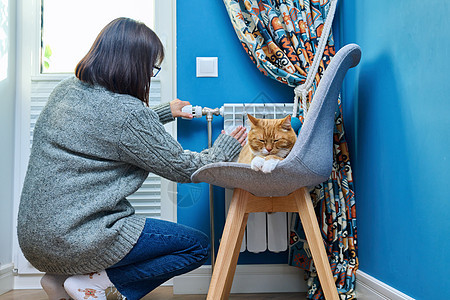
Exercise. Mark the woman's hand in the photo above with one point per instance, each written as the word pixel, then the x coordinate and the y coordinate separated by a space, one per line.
pixel 176 106
pixel 240 134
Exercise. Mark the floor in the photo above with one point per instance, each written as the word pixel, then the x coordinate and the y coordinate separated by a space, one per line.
pixel 161 293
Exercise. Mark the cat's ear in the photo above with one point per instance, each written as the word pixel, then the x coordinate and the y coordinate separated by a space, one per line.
pixel 253 120
pixel 286 123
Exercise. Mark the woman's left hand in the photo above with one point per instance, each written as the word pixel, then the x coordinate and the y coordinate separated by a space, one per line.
pixel 176 106
pixel 240 134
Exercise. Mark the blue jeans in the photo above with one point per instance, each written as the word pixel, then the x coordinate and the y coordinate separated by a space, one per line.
pixel 164 250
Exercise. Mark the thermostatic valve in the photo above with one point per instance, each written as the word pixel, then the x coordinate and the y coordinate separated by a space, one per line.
pixel 196 111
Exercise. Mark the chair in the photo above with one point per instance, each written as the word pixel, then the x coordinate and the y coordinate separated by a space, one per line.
pixel 285 189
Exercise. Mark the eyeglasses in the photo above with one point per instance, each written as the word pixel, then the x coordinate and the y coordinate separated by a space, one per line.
pixel 156 71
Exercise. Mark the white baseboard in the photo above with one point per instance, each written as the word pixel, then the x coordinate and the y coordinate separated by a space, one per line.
pixel 6 278
pixel 27 282
pixel 369 288
pixel 247 279
pixel 279 279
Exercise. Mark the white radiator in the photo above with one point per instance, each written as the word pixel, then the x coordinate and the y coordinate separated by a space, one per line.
pixel 264 231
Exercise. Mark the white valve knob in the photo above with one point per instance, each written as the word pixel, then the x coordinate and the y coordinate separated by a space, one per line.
pixel 196 111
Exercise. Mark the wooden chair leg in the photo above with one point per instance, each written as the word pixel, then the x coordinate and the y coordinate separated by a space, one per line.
pixel 314 238
pixel 241 204
pixel 227 257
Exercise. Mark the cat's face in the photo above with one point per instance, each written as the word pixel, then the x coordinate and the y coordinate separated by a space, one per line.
pixel 271 136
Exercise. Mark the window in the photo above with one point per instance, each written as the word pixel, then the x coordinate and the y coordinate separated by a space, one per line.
pixel 81 21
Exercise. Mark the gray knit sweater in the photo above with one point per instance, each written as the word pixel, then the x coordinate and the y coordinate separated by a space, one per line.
pixel 91 149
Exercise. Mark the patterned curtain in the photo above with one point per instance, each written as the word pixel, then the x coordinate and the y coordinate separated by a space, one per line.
pixel 282 37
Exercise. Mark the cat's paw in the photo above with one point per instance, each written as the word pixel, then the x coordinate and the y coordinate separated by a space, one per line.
pixel 257 163
pixel 269 165
pixel 266 166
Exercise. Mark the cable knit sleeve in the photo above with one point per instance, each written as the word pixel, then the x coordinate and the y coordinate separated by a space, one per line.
pixel 145 143
pixel 164 112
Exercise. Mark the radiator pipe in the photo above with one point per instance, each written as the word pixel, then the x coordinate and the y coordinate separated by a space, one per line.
pixel 210 113
pixel 198 112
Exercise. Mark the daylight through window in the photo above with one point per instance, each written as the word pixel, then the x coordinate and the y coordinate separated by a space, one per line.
pixel 69 28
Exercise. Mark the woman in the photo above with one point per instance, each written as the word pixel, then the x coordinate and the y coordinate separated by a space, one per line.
pixel 94 144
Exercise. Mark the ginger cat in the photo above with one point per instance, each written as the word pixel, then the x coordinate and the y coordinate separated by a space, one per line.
pixel 269 141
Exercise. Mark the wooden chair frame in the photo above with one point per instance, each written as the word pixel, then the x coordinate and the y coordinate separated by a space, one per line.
pixel 244 203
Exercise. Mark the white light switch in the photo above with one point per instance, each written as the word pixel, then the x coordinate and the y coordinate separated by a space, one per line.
pixel 207 67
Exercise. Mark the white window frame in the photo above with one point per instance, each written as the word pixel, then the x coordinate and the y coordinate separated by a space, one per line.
pixel 28 70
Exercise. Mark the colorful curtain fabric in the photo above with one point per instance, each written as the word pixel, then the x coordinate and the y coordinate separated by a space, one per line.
pixel 281 38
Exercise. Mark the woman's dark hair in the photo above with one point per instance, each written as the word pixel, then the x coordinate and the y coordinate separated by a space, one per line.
pixel 122 58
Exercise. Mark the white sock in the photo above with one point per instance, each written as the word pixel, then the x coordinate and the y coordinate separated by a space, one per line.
pixel 89 286
pixel 53 285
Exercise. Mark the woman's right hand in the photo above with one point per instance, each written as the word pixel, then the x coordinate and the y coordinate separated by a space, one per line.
pixel 240 134
pixel 176 107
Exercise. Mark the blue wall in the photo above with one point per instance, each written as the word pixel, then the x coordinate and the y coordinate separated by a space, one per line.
pixel 398 127
pixel 204 29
